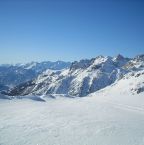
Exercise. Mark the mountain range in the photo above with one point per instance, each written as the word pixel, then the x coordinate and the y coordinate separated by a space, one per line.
pixel 13 75
pixel 84 77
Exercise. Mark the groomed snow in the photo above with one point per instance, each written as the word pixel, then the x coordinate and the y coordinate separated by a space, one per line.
pixel 99 119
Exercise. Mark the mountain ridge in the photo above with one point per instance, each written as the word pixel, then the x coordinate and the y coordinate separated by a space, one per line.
pixel 82 78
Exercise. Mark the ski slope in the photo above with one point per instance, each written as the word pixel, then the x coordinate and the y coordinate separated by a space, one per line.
pixel 113 115
pixel 95 120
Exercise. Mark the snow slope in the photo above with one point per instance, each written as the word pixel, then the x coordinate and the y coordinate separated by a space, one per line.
pixel 95 120
pixel 131 83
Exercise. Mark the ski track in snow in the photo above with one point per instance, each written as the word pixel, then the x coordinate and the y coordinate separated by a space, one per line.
pixel 67 121
pixel 124 106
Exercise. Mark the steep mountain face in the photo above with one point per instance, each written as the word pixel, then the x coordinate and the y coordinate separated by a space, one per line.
pixel 11 75
pixel 120 61
pixel 82 78
pixel 131 83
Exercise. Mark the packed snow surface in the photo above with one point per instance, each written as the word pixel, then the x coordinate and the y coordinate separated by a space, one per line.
pixel 98 119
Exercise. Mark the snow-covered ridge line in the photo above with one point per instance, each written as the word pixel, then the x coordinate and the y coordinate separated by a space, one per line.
pixel 82 78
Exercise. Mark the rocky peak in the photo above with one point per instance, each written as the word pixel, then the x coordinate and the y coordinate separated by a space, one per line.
pixel 82 64
pixel 120 60
pixel 119 57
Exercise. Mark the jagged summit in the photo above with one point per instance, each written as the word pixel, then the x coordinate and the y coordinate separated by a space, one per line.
pixel 119 57
pixel 120 60
pixel 82 64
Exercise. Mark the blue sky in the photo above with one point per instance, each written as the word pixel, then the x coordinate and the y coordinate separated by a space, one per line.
pixel 37 30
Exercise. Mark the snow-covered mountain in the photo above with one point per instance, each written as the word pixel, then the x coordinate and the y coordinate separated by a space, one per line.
pixel 11 75
pixel 39 67
pixel 82 78
pixel 136 64
pixel 132 83
pixel 14 75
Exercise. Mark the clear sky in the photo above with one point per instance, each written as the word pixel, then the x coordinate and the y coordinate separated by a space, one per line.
pixel 37 30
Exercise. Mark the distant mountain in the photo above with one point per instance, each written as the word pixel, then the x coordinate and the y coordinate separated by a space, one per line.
pixel 82 78
pixel 11 75
pixel 42 66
